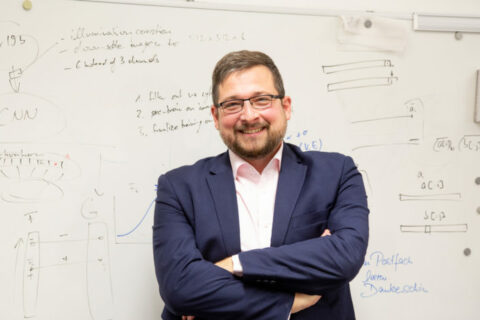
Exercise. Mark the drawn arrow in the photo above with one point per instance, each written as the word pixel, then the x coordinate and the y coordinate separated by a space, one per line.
pixel 14 75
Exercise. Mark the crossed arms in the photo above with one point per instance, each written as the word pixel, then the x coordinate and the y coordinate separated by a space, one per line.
pixel 192 285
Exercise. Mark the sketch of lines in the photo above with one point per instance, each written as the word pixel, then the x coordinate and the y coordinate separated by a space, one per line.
pixel 133 231
pixel 32 191
pixel 28 117
pixel 33 177
pixel 139 222
pixel 413 142
pixel 130 236
pixel 382 118
pixel 431 197
pixel 377 63
pixel 20 164
pixel 427 228
pixel 31 274
pixel 401 124
pixel 361 83
pixel 99 283
pixel 95 257
pixel 365 77
pixel 88 210
pixel 14 77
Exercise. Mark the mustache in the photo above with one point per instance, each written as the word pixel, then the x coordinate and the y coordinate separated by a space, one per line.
pixel 250 126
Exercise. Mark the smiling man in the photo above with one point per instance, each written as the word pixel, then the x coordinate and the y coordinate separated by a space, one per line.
pixel 256 133
pixel 262 231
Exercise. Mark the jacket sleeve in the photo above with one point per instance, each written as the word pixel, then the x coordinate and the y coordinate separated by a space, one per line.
pixel 190 285
pixel 319 264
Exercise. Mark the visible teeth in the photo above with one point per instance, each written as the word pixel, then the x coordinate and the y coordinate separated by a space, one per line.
pixel 253 130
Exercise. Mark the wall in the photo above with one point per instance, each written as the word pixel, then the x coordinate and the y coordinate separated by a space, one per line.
pixel 97 100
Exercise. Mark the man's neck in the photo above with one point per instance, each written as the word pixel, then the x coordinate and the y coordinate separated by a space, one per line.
pixel 260 164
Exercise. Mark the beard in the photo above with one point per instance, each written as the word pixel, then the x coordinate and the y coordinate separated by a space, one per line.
pixel 254 148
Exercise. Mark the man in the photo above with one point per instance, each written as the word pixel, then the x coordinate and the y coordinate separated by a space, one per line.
pixel 262 231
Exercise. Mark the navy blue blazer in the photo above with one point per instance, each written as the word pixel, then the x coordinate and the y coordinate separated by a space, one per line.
pixel 196 224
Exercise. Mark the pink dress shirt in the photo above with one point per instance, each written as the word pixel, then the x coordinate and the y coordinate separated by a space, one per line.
pixel 256 200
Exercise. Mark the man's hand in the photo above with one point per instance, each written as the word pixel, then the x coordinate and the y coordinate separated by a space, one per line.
pixel 303 301
pixel 226 264
pixel 326 233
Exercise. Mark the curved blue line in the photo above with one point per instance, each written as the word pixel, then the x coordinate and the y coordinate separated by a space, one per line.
pixel 138 224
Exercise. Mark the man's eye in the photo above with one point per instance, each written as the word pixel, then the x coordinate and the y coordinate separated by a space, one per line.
pixel 262 100
pixel 232 105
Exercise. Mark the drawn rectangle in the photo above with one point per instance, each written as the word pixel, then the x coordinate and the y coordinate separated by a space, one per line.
pixel 429 197
pixel 357 65
pixel 31 274
pixel 427 228
pixel 99 284
pixel 361 83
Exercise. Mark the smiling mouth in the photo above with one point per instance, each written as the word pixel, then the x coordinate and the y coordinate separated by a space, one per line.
pixel 252 131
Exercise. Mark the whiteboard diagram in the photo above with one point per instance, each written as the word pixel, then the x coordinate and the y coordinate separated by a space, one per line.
pixel 94 107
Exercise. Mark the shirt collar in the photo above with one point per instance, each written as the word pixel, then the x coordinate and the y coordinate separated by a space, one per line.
pixel 236 161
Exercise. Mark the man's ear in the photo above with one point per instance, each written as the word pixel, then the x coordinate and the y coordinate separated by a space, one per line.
pixel 214 111
pixel 287 106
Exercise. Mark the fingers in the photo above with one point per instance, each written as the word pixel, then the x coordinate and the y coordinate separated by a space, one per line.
pixel 188 317
pixel 303 301
pixel 226 264
pixel 326 233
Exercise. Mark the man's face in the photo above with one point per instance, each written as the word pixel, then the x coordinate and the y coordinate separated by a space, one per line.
pixel 250 133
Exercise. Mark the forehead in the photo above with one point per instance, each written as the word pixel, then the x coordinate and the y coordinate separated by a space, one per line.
pixel 256 79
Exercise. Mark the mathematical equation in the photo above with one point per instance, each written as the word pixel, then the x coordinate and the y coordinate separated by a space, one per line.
pixel 432 192
pixel 304 141
pixel 468 143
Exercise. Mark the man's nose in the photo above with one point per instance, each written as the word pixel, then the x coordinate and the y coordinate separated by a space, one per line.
pixel 248 111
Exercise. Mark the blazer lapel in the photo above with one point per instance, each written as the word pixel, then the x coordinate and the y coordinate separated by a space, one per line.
pixel 222 188
pixel 290 182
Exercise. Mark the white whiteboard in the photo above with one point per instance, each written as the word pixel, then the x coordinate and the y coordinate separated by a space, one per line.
pixel 97 100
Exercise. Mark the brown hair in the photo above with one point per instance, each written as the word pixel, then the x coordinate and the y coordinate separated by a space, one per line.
pixel 241 60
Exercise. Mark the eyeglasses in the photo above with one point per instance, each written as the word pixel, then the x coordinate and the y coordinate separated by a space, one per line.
pixel 260 102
